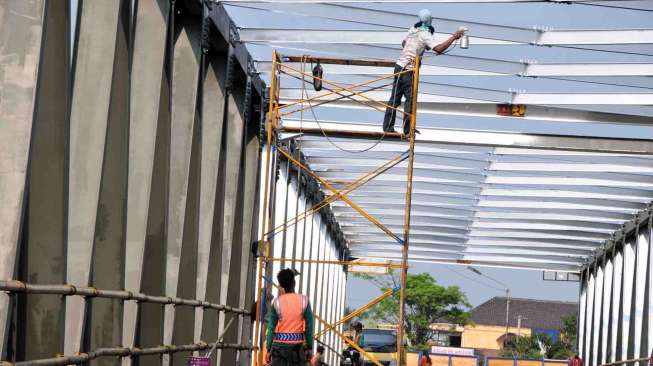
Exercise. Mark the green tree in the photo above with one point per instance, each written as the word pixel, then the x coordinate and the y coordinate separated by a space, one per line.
pixel 541 345
pixel 427 302
pixel 532 346
pixel 565 347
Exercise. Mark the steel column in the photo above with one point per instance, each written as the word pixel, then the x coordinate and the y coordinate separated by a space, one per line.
pixel 104 322
pixel 185 76
pixel 95 56
pixel 43 243
pixel 148 60
pixel 251 170
pixel 213 97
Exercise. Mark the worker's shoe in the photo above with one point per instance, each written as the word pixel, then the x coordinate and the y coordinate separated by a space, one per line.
pixel 389 129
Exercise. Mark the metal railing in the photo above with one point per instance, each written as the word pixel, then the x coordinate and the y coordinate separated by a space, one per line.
pixel 15 286
pixel 124 352
pixel 634 360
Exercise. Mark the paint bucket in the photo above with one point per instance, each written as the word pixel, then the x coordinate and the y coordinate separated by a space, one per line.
pixel 199 361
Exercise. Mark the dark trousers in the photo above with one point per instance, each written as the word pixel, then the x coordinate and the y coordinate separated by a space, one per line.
pixel 402 87
pixel 288 356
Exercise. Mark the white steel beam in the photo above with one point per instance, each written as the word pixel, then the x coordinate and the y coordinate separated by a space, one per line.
pixel 542 260
pixel 349 36
pixel 466 65
pixel 393 1
pixel 341 36
pixel 522 68
pixel 591 37
pixel 391 19
pixel 496 139
pixel 493 97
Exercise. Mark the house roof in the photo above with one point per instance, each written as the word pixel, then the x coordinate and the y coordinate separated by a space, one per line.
pixel 542 314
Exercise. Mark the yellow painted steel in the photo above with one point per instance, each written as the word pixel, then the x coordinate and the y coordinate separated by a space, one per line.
pixel 266 229
pixel 351 203
pixel 356 312
pixel 258 357
pixel 409 191
pixel 341 93
pixel 334 197
pixel 341 87
pixel 351 343
pixel 342 263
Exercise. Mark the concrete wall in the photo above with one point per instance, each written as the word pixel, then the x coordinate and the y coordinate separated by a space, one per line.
pixel 488 336
pixel 129 163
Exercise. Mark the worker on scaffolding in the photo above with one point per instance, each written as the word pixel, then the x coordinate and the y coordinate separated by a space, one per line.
pixel 290 325
pixel 419 38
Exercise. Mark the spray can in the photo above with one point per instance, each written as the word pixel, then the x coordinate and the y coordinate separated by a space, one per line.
pixel 464 40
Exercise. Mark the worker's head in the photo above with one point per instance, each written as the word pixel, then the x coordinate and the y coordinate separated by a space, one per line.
pixel 424 22
pixel 425 17
pixel 320 349
pixel 286 279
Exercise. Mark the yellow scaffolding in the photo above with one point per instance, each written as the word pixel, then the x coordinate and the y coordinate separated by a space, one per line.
pixel 279 67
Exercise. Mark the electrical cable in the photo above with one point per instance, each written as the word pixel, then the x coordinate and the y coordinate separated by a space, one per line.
pixel 474 280
pixel 590 3
pixel 376 143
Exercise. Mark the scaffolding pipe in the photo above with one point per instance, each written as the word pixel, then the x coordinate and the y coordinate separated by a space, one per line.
pixel 343 88
pixel 409 190
pixel 351 343
pixel 259 288
pixel 125 352
pixel 15 286
pixel 339 87
pixel 353 205
pixel 354 313
pixel 339 61
pixel 346 190
pixel 343 263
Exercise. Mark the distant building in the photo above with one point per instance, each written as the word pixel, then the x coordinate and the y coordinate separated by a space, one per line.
pixel 488 333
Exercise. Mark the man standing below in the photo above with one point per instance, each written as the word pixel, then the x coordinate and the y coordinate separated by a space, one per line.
pixel 418 39
pixel 290 325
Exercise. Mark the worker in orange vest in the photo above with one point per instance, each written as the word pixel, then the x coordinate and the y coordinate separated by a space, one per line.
pixel 290 325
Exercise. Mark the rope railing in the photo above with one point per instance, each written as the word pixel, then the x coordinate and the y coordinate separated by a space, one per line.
pixel 14 286
pixel 125 352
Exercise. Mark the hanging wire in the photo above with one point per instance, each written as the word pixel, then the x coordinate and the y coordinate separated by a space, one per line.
pixel 590 3
pixel 317 121
pixel 473 279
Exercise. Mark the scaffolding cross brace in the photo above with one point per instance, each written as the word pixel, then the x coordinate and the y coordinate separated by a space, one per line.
pixel 274 150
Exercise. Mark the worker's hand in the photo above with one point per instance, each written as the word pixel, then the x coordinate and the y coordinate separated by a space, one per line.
pixel 457 34
pixel 268 358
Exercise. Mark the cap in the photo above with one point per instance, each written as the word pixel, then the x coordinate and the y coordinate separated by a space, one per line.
pixel 424 16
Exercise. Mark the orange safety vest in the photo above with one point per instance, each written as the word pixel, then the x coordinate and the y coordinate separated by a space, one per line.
pixel 291 325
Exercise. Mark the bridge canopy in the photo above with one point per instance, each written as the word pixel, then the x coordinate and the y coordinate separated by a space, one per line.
pixel 534 144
